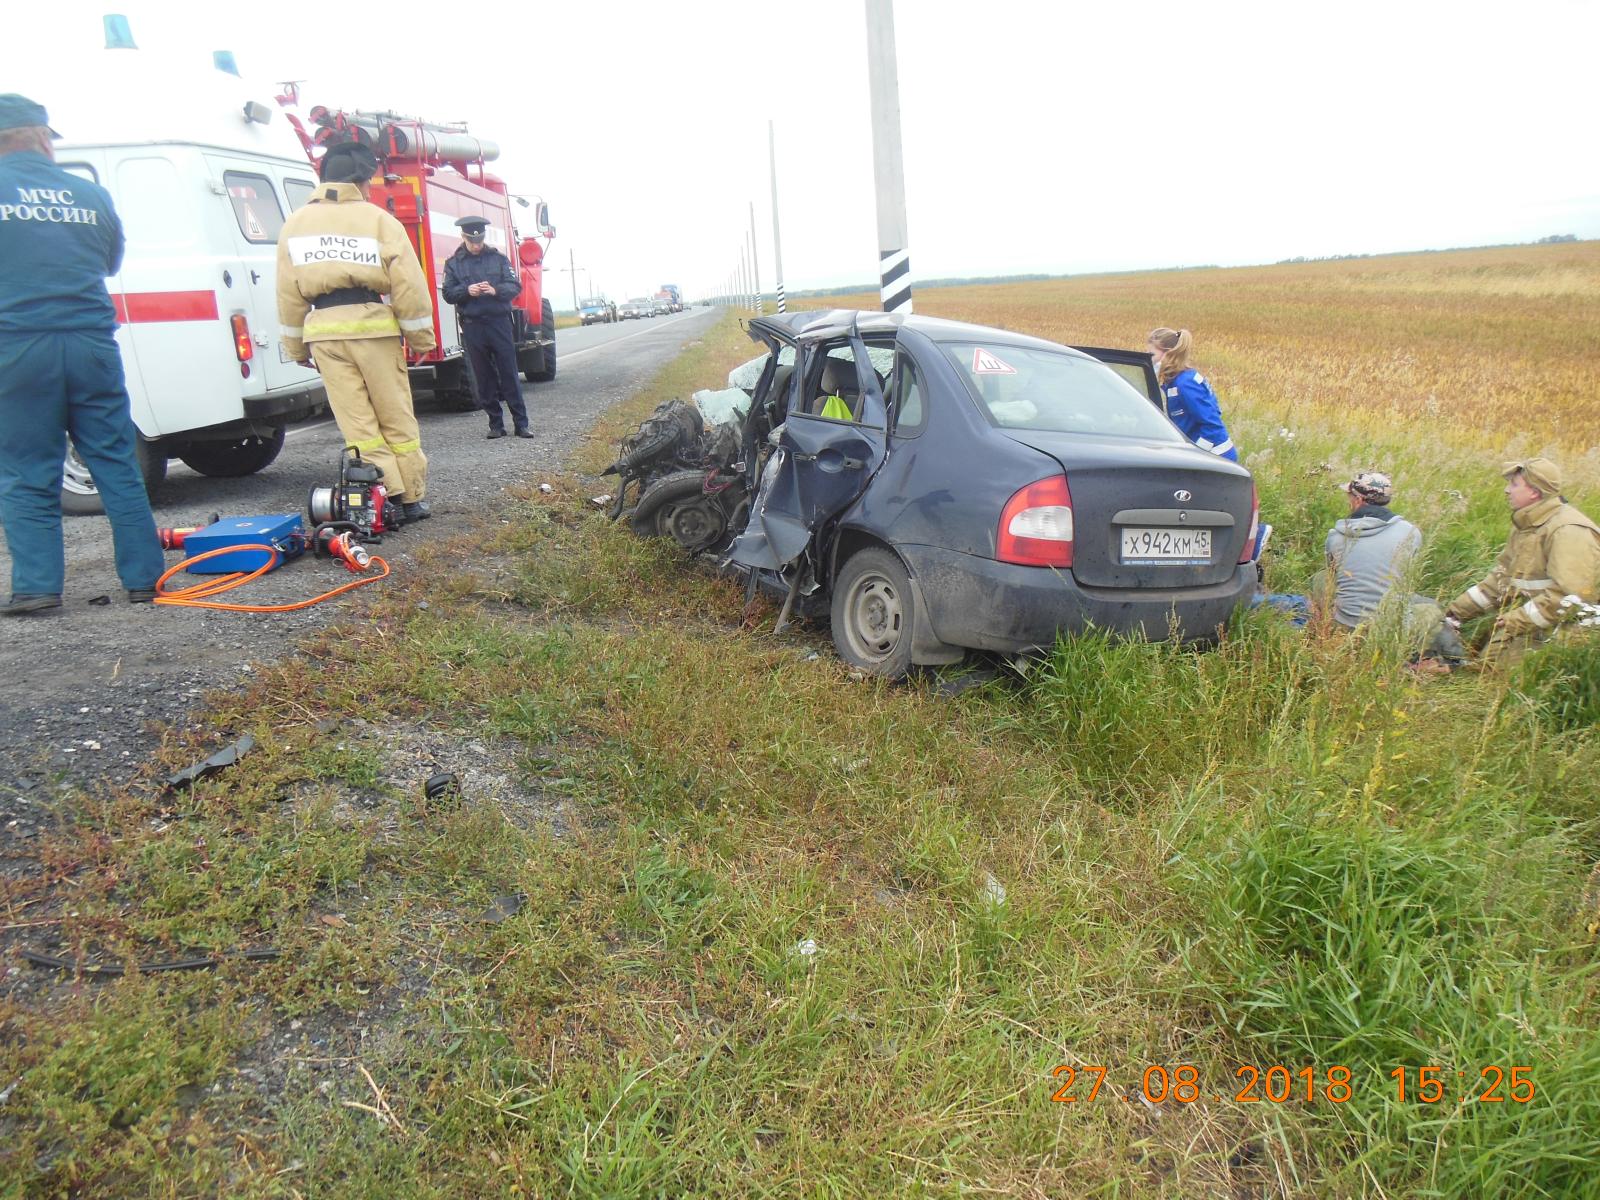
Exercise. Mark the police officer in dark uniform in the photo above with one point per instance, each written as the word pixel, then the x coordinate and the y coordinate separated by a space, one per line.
pixel 60 369
pixel 481 283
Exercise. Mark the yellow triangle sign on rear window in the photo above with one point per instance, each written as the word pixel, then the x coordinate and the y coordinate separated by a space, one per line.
pixel 987 362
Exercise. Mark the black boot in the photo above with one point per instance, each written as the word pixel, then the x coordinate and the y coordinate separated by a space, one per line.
pixel 30 602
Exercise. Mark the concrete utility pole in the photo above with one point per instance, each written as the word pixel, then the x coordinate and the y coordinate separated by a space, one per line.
pixel 573 268
pixel 744 275
pixel 755 262
pixel 888 170
pixel 777 241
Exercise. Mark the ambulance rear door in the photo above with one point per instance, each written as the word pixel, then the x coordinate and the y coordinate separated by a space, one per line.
pixel 168 293
pixel 256 213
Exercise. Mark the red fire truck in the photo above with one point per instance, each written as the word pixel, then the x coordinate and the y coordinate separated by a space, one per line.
pixel 433 175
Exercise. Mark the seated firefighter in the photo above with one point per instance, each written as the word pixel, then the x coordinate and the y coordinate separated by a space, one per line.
pixel 1369 553
pixel 1553 552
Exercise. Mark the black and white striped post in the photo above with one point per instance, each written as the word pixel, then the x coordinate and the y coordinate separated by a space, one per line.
pixel 888 169
pixel 777 242
pixel 755 263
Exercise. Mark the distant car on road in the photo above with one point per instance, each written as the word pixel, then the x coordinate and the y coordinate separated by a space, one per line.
pixel 597 310
pixel 937 487
pixel 661 306
pixel 636 309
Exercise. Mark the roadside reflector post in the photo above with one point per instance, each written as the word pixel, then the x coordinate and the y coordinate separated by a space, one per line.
pixel 888 169
pixel 755 263
pixel 777 240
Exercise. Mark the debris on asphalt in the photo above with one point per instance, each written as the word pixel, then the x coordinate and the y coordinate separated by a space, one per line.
pixel 503 908
pixel 220 761
pixel 102 600
pixel 78 966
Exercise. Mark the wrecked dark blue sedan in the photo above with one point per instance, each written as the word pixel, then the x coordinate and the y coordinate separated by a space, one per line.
pixel 938 487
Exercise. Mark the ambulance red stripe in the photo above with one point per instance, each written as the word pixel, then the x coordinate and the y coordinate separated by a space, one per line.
pixel 135 308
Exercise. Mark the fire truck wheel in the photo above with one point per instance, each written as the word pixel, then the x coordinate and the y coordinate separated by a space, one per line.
pixel 547 330
pixel 235 458
pixel 79 496
pixel 463 395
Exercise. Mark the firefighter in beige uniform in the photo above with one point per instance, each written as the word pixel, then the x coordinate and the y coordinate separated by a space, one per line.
pixel 338 257
pixel 1553 553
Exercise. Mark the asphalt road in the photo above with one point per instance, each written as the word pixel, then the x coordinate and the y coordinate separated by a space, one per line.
pixel 82 685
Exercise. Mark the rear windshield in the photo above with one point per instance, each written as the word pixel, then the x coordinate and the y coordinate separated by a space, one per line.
pixel 1024 388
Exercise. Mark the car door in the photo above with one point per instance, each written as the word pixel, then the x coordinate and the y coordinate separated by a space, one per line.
pixel 821 464
pixel 1137 367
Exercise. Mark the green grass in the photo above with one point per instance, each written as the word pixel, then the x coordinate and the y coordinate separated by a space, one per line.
pixel 762 951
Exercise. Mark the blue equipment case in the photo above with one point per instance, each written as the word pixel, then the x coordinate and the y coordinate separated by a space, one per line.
pixel 282 530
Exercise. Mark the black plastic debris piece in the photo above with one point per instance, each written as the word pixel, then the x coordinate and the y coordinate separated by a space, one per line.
pixel 220 761
pixel 102 600
pixel 503 908
pixel 442 790
pixel 965 682
pixel 76 966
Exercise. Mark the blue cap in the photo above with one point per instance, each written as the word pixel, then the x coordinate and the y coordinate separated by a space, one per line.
pixel 18 112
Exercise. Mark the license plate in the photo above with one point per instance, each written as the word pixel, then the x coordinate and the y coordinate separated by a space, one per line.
pixel 1166 545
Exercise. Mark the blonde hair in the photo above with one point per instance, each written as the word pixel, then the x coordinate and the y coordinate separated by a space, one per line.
pixel 1174 344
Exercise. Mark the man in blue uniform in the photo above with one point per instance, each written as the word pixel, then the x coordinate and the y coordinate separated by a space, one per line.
pixel 60 370
pixel 481 283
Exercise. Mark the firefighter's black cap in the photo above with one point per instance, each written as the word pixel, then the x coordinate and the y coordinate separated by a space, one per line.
pixel 348 162
pixel 472 227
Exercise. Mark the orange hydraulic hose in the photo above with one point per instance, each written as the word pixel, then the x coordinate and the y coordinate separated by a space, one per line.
pixel 198 596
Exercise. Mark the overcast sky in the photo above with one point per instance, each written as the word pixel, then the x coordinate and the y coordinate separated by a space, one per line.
pixel 1048 137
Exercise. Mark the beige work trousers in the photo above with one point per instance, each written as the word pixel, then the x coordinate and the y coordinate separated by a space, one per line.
pixel 370 394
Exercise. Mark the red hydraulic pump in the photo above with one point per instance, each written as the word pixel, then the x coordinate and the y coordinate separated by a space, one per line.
pixel 433 175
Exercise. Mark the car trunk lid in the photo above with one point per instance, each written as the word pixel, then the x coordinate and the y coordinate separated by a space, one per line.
pixel 1138 509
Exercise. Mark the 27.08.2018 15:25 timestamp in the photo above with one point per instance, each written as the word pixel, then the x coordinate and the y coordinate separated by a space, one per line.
pixel 1280 1084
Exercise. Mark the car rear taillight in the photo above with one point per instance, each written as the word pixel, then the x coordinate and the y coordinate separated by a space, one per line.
pixel 1249 550
pixel 1036 525
pixel 242 345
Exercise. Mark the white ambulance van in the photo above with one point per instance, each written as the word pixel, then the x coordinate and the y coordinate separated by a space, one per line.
pixel 203 168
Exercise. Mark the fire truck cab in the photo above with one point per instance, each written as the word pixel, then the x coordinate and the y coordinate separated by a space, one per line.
pixel 203 171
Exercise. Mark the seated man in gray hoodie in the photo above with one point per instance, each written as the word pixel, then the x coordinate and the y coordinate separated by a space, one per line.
pixel 1370 552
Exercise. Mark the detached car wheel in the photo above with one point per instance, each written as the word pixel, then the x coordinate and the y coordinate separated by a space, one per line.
pixel 873 613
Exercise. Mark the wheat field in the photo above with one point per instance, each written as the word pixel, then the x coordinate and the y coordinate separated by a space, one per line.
pixel 1487 354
